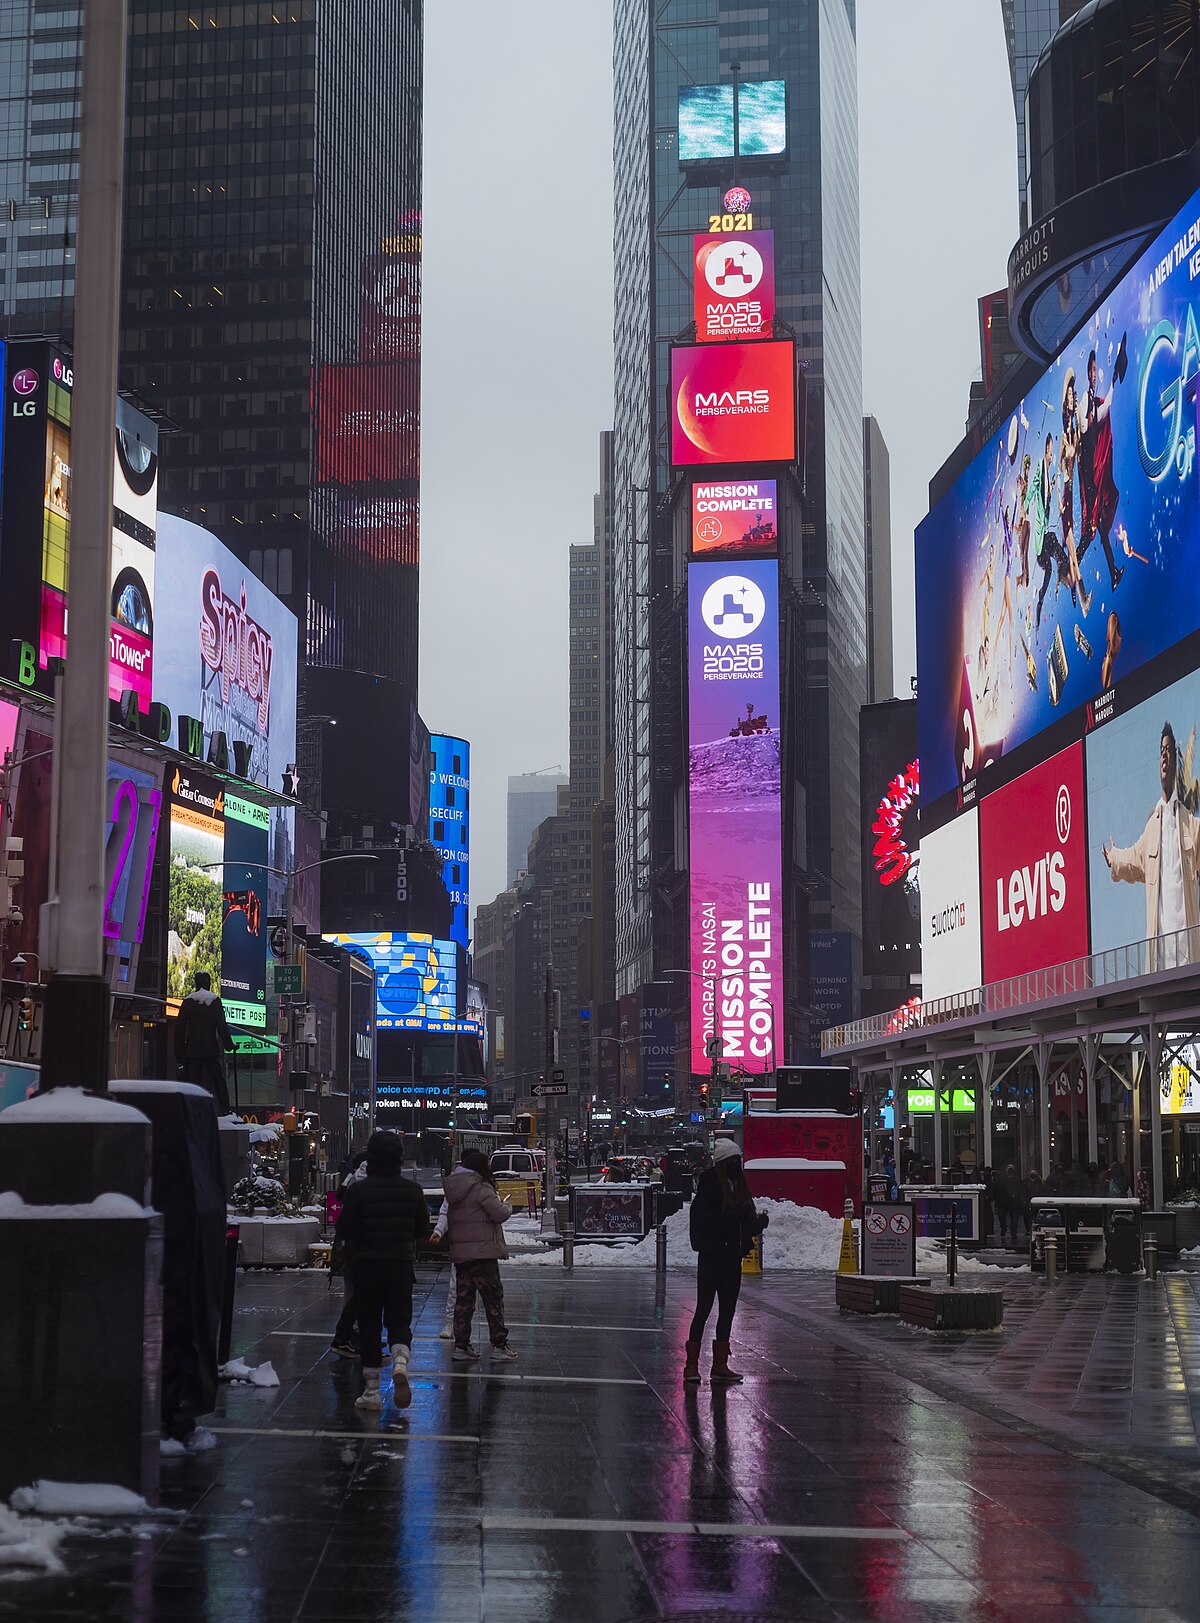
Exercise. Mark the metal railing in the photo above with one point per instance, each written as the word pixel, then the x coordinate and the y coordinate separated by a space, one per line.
pixel 1157 955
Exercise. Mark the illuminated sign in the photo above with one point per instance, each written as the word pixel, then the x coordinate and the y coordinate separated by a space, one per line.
pixel 194 900
pixel 366 422
pixel 890 783
pixel 733 403
pixel 920 1100
pixel 449 824
pixel 244 911
pixel 951 934
pixel 734 285
pixel 471 1098
pixel 416 979
pixel 735 517
pixel 735 844
pixel 1061 561
pixel 711 126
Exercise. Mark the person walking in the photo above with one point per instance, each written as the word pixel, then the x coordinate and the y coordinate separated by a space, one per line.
pixel 382 1221
pixel 346 1342
pixel 202 1040
pixel 722 1225
pixel 475 1233
pixel 1008 1197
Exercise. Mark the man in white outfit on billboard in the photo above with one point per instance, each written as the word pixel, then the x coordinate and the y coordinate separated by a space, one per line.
pixel 1164 859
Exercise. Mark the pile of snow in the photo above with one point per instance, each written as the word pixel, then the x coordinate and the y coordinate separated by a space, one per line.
pixel 72 1105
pixel 106 1206
pixel 256 1374
pixel 26 1543
pixel 78 1499
pixel 799 1237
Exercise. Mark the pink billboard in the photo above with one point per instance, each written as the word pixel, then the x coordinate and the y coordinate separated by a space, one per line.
pixel 734 809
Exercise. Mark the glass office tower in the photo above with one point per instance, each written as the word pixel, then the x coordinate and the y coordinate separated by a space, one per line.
pixel 810 199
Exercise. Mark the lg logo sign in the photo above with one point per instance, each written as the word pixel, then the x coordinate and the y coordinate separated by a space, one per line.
pixel 24 385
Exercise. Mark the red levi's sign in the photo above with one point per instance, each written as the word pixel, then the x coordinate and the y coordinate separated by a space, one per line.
pixel 1033 861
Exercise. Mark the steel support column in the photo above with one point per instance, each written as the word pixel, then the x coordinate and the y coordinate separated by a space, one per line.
pixel 1088 1046
pixel 936 1070
pixel 1043 1053
pixel 987 1069
pixel 1156 1154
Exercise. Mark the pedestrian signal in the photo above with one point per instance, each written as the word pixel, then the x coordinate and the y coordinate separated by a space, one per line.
pixel 25 1014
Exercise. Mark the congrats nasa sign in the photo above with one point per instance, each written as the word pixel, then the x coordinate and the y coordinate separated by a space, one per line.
pixel 734 286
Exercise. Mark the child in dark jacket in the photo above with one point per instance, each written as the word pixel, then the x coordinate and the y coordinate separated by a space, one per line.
pixel 383 1220
pixel 722 1226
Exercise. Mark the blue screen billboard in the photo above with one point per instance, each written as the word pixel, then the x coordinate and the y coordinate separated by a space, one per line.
pixel 707 129
pixel 416 979
pixel 1061 561
pixel 449 824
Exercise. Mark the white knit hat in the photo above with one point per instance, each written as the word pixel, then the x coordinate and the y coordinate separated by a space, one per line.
pixel 725 1150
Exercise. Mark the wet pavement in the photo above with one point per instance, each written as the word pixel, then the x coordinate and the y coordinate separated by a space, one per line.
pixel 863 1471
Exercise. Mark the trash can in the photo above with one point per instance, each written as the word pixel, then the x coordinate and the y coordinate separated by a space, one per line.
pixel 1047 1218
pixel 1123 1239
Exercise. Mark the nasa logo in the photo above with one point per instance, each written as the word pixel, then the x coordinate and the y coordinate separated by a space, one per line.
pixel 732 270
pixel 733 607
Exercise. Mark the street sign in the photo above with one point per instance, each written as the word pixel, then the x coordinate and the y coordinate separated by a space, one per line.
pixel 286 980
pixel 714 1048
pixel 548 1090
pixel 889 1239
pixel 558 1076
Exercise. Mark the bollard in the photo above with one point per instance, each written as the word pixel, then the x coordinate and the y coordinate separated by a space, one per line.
pixel 660 1249
pixel 952 1254
pixel 1050 1252
pixel 568 1238
pixel 1150 1256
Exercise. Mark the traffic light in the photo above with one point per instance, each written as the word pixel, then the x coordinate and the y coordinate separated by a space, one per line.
pixel 25 1014
pixel 704 1095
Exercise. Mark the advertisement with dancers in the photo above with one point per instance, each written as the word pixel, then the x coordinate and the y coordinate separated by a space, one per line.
pixel 1060 562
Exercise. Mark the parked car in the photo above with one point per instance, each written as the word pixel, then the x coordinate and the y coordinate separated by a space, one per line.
pixel 516 1161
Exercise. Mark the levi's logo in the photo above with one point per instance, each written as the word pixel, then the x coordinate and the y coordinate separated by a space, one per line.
pixel 1032 892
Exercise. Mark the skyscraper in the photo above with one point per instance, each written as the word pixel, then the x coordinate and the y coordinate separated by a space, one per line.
pixel 877 510
pixel 271 283
pixel 808 195
pixel 532 796
pixel 1029 26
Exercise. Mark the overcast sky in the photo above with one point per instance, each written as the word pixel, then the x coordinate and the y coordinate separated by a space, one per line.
pixel 518 329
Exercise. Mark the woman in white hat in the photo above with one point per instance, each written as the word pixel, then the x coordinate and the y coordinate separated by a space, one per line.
pixel 723 1226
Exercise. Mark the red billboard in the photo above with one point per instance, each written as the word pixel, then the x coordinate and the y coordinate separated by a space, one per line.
pixel 733 403
pixel 366 422
pixel 1033 859
pixel 734 286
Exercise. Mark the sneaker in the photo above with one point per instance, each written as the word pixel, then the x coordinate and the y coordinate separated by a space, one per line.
pixel 446 1333
pixel 504 1351
pixel 345 1348
pixel 464 1355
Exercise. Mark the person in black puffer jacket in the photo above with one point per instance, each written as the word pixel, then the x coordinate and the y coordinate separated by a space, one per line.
pixel 383 1219
pixel 722 1226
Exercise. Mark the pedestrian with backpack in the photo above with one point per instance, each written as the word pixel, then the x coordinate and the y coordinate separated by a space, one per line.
pixel 723 1226
pixel 383 1220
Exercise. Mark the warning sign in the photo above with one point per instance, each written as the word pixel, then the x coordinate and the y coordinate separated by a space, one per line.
pixel 889 1240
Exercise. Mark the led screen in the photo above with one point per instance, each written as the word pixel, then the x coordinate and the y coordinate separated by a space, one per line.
pixel 244 912
pixel 735 851
pixel 195 899
pixel 733 518
pixel 734 286
pixel 733 403
pixel 366 422
pixel 416 979
pixel 890 783
pixel 1132 764
pixel 951 938
pixel 706 121
pixel 449 824
pixel 1062 559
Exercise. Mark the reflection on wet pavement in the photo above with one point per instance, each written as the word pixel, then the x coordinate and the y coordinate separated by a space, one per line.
pixel 863 1471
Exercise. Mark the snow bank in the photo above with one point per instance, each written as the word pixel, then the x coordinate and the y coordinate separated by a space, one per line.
pixel 30 1543
pixel 256 1374
pixel 78 1499
pixel 71 1105
pixel 160 1085
pixel 107 1206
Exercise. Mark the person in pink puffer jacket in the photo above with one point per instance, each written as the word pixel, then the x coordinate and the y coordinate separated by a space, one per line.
pixel 475 1235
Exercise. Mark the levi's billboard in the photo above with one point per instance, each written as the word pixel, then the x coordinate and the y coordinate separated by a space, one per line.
pixel 733 403
pixel 1033 860
pixel 734 286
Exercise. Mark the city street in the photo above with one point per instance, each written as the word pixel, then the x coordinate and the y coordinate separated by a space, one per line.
pixel 863 1470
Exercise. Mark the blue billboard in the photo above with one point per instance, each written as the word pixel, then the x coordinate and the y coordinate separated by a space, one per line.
pixel 1062 559
pixel 449 824
pixel 709 131
pixel 416 979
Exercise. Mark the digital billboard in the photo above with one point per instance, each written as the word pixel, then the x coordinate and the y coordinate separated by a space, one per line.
pixel 225 654
pixel 734 285
pixel 736 517
pixel 1061 560
pixel 1033 869
pixel 244 911
pixel 890 787
pixel 733 403
pixel 449 824
pixel 1143 801
pixel 735 843
pixel 195 902
pixel 366 422
pixel 416 979
pixel 708 129
pixel 951 936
